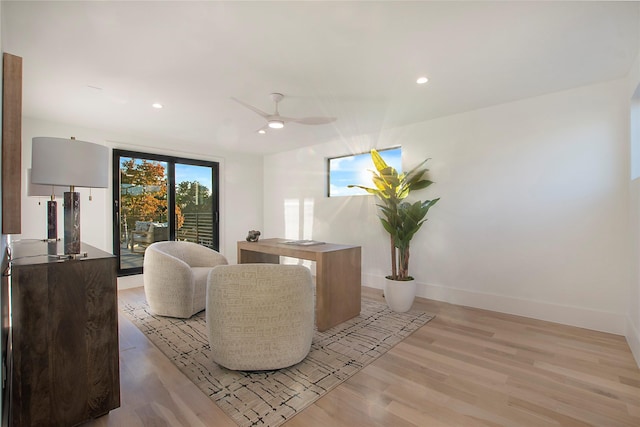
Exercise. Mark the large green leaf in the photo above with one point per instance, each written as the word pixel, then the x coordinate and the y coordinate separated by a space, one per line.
pixel 378 161
pixel 380 184
pixel 419 185
pixel 416 169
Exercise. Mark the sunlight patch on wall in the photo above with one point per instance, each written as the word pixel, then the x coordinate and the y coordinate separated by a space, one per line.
pixel 298 224
pixel 307 219
pixel 291 218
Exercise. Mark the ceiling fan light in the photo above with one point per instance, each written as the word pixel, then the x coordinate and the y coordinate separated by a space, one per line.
pixel 276 124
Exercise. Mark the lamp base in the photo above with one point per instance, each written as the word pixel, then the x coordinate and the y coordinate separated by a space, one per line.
pixel 52 220
pixel 71 223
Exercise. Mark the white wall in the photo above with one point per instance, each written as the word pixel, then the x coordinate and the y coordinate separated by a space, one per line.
pixel 534 212
pixel 632 332
pixel 240 196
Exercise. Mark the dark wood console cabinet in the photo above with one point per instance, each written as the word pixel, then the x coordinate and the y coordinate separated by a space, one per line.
pixel 64 335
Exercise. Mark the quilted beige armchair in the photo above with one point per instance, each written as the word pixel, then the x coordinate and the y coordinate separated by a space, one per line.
pixel 175 277
pixel 260 316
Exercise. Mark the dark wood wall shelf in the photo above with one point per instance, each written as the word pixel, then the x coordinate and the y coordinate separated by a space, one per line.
pixel 11 143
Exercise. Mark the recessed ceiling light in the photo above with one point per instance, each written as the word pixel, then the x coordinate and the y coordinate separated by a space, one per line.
pixel 422 80
pixel 262 131
pixel 157 105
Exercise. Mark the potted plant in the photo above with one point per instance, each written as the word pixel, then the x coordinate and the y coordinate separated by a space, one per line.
pixel 402 220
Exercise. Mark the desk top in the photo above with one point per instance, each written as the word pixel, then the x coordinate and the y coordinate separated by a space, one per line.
pixel 279 247
pixel 282 243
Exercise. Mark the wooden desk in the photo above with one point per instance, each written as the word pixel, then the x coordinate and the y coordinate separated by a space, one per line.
pixel 338 274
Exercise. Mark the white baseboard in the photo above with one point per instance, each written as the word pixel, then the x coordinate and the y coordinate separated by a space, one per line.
pixel 633 339
pixel 597 320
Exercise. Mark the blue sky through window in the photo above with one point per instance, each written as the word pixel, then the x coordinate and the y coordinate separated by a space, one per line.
pixel 357 169
pixel 193 173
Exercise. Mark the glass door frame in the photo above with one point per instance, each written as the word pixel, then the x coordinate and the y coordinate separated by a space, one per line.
pixel 171 161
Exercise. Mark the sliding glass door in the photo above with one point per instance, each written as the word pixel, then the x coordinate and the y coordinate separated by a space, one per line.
pixel 160 198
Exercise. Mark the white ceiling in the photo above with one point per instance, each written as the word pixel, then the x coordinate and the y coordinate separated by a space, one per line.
pixel 102 64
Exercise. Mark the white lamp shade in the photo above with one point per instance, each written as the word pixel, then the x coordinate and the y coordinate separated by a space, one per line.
pixel 40 190
pixel 69 162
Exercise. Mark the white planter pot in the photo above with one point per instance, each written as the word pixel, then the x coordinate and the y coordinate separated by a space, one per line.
pixel 399 294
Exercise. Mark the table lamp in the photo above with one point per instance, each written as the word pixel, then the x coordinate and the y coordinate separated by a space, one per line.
pixel 51 191
pixel 69 163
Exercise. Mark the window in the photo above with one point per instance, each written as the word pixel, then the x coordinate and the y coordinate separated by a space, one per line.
pixel 356 169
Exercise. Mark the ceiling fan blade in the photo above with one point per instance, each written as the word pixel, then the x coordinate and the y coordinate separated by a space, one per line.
pixel 283 118
pixel 314 120
pixel 252 108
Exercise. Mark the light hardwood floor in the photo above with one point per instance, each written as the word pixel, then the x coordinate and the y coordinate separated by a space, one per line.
pixel 467 367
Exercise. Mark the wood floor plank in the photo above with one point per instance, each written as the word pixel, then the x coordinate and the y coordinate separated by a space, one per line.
pixel 350 409
pixel 154 393
pixel 467 367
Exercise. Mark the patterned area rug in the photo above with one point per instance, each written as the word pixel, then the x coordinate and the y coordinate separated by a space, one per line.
pixel 269 398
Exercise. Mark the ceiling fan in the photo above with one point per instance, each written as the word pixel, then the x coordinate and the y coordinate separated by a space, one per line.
pixel 276 121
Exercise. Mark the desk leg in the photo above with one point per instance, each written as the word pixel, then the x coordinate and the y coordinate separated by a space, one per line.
pixel 338 287
pixel 247 257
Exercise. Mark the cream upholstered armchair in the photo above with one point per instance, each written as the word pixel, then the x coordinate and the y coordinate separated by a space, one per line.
pixel 260 316
pixel 175 277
